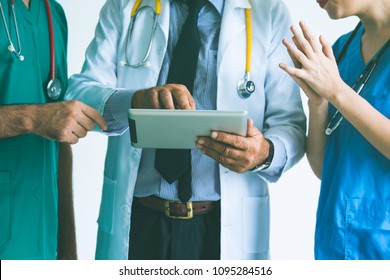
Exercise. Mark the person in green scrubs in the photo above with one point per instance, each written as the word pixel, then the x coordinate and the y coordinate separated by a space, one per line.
pixel 35 184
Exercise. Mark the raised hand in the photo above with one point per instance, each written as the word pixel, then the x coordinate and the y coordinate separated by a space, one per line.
pixel 315 69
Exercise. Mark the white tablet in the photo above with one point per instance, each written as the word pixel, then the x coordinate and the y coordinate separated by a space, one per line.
pixel 179 129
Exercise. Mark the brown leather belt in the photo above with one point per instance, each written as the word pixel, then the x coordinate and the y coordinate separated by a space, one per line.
pixel 176 209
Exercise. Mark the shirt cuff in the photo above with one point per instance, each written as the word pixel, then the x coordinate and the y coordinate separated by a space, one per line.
pixel 115 111
pixel 275 170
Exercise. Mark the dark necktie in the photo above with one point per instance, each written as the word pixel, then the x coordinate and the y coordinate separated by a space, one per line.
pixel 175 164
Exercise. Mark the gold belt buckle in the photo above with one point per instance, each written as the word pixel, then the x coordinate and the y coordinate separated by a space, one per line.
pixel 189 210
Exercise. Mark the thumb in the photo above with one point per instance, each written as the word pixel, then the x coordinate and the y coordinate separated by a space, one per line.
pixel 251 129
pixel 327 49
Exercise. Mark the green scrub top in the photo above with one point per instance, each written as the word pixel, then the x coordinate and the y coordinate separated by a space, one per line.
pixel 28 163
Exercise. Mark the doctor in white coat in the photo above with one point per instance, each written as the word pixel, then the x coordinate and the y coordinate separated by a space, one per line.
pixel 275 108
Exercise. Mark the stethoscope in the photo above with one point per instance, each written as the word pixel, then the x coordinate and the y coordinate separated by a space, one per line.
pixel 245 86
pixel 134 13
pixel 54 86
pixel 361 80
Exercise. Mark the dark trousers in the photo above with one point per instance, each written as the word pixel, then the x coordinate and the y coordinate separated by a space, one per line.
pixel 153 236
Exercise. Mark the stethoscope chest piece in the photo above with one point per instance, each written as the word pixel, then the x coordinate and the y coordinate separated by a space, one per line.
pixel 54 89
pixel 328 131
pixel 245 87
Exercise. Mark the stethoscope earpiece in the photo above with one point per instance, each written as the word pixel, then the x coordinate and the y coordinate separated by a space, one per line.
pixel 11 48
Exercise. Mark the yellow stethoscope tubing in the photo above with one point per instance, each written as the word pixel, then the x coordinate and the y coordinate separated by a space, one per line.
pixel 248 21
pixel 134 12
pixel 245 87
pixel 138 3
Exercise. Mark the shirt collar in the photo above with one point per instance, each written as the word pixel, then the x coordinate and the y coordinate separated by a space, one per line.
pixel 218 4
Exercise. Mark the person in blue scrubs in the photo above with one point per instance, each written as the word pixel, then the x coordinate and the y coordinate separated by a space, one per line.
pixel 35 170
pixel 353 157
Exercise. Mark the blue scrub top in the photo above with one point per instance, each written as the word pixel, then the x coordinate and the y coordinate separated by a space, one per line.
pixel 353 216
pixel 28 163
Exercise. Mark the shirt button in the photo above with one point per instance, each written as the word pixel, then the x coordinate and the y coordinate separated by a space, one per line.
pixel 125 209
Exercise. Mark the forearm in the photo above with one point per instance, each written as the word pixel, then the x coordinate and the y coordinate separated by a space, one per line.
pixel 17 120
pixel 316 140
pixel 374 126
pixel 66 224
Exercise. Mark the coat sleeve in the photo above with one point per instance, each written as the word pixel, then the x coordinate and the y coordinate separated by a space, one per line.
pixel 284 118
pixel 97 81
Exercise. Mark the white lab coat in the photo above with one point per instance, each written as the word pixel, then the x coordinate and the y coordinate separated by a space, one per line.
pixel 275 108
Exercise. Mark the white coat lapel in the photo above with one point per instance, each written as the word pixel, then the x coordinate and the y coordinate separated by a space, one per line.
pixel 233 23
pixel 164 18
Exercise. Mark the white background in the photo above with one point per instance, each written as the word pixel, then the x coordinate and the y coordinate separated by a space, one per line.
pixel 293 198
